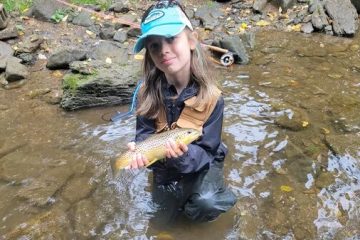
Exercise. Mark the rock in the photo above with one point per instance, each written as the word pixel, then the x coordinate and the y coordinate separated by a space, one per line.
pixel 8 33
pixel 209 16
pixel 107 32
pixel 134 32
pixel 307 28
pixel 83 19
pixel 120 36
pixel 30 44
pixel 235 45
pixel 38 92
pixel 54 97
pixel 15 71
pixel 109 50
pixel 325 179
pixel 5 49
pixel 64 57
pixel 356 4
pixel 343 144
pixel 344 17
pixel 87 219
pixel 259 5
pixel 285 4
pixel 120 7
pixel 296 119
pixel 319 18
pixel 41 190
pixel 112 84
pixel 45 9
pixel 77 189
pixel 52 224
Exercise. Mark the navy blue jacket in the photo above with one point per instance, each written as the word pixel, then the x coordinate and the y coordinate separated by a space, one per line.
pixel 201 153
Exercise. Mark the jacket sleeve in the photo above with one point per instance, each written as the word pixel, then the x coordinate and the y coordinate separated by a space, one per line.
pixel 203 152
pixel 144 128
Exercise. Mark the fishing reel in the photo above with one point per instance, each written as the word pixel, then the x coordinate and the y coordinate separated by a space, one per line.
pixel 227 59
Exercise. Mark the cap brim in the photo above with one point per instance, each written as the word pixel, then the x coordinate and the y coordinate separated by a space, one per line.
pixel 168 30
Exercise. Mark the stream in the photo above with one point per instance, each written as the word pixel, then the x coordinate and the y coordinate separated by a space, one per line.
pixel 291 124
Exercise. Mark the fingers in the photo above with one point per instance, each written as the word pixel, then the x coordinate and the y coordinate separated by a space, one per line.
pixel 174 150
pixel 131 146
pixel 139 160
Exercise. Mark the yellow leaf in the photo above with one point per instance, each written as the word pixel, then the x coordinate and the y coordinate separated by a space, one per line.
pixel 286 188
pixel 296 28
pixel 108 60
pixel 139 57
pixel 244 25
pixel 57 73
pixel 305 123
pixel 325 130
pixel 90 32
pixel 262 23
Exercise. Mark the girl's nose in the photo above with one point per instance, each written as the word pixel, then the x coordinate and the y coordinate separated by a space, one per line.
pixel 165 46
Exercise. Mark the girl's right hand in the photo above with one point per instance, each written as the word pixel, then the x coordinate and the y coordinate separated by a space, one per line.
pixel 139 160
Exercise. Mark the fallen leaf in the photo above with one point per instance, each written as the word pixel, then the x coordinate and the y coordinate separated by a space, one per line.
pixel 57 73
pixel 139 57
pixel 262 23
pixel 296 28
pixel 325 130
pixel 286 188
pixel 305 123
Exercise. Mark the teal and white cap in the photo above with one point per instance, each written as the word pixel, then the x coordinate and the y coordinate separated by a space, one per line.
pixel 166 22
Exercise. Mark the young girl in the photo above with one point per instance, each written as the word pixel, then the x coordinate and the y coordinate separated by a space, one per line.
pixel 179 91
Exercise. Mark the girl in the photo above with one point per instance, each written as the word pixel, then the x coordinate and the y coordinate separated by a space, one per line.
pixel 179 91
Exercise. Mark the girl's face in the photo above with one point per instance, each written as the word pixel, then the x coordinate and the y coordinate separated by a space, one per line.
pixel 172 55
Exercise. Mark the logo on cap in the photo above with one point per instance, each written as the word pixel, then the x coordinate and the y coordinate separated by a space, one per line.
pixel 153 16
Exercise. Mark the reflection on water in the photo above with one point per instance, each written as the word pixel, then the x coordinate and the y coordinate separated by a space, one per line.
pixel 292 129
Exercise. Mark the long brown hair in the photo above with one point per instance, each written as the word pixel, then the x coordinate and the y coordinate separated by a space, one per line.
pixel 151 96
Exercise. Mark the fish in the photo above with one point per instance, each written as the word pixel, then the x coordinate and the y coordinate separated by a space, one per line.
pixel 154 147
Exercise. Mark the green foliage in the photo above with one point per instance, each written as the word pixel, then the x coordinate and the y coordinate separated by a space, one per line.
pixel 58 15
pixel 105 4
pixel 72 81
pixel 16 5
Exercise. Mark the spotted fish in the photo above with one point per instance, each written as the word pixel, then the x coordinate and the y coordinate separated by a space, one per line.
pixel 154 148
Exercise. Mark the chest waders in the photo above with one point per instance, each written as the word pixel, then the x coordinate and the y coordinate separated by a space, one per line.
pixel 202 196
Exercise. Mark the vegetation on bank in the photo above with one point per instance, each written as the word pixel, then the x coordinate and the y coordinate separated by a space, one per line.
pixel 16 5
pixel 22 5
pixel 73 81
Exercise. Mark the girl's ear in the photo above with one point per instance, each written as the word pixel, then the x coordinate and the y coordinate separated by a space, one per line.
pixel 193 40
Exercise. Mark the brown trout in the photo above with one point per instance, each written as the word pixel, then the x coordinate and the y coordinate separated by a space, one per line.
pixel 154 148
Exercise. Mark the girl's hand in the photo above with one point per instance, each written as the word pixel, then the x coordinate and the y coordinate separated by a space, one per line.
pixel 139 160
pixel 174 150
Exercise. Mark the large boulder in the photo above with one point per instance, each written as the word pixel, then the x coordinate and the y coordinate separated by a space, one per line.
pixel 45 9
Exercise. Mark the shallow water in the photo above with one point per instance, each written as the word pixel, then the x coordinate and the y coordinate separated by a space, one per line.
pixel 292 182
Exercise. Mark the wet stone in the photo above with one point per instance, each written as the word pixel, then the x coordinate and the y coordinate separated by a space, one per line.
pixel 42 189
pixel 38 92
pixel 344 144
pixel 77 189
pixel 53 224
pixel 324 180
pixel 296 120
pixel 86 218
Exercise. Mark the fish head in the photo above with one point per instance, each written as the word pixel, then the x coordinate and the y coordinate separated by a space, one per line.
pixel 188 135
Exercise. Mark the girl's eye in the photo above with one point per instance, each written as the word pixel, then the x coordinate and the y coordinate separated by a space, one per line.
pixel 170 40
pixel 154 46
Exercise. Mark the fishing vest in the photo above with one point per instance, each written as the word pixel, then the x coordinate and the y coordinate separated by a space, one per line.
pixel 190 117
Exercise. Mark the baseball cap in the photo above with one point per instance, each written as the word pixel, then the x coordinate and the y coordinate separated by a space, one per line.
pixel 166 21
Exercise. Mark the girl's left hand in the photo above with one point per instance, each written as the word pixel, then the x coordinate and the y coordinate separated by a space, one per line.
pixel 174 150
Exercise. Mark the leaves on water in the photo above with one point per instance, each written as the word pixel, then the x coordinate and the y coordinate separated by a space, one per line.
pixel 286 188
